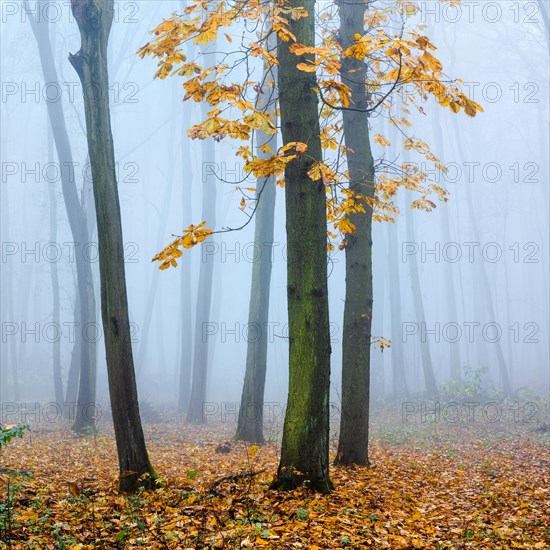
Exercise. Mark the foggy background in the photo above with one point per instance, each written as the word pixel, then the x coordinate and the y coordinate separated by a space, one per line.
pixel 485 250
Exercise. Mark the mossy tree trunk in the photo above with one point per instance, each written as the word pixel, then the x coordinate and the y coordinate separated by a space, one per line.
pixel 354 422
pixel 305 444
pixel 94 18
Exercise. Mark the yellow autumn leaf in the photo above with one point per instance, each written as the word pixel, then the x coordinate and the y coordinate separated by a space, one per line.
pixel 381 140
pixel 306 67
pixel 74 489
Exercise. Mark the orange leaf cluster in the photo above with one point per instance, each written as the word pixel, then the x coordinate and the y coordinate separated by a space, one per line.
pixel 401 63
pixel 191 237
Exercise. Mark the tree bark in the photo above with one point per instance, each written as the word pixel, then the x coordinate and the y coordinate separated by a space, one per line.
pixel 250 423
pixel 94 18
pixel 354 422
pixel 305 444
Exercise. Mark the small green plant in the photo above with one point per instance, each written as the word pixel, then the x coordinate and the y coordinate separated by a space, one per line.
pixel 8 433
pixel 8 520
pixel 468 387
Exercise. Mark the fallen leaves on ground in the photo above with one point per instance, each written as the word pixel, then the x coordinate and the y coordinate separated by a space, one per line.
pixel 448 488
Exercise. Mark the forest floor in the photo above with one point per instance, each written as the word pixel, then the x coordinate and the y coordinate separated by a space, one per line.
pixel 431 485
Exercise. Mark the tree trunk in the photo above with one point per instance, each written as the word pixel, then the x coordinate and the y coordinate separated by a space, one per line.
pixel 186 339
pixel 379 287
pixel 54 276
pixel 94 18
pixel 84 421
pixel 250 423
pixel 206 274
pixel 396 350
pixel 154 284
pixel 454 347
pixel 486 287
pixel 71 394
pixel 483 277
pixel 426 358
pixel 305 445
pixel 354 422
pixel 8 346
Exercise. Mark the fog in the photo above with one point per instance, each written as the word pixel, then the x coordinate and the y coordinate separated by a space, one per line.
pixel 481 257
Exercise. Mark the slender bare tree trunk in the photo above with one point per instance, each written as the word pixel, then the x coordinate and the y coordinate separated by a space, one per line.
pixel 250 423
pixel 54 277
pixel 483 278
pixel 202 346
pixel 354 423
pixel 95 18
pixel 84 420
pixel 454 348
pixel 396 351
pixel 418 301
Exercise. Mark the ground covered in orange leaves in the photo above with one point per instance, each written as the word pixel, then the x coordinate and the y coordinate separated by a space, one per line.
pixel 429 486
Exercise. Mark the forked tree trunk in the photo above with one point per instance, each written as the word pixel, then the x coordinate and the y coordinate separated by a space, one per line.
pixel 94 18
pixel 354 422
pixel 84 419
pixel 250 423
pixel 305 445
